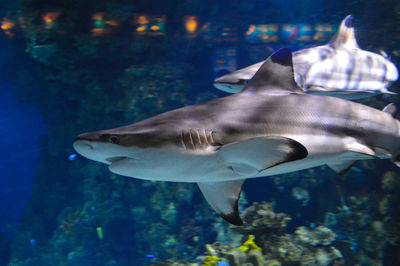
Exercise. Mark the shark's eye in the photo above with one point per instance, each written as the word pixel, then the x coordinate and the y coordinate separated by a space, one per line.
pixel 113 139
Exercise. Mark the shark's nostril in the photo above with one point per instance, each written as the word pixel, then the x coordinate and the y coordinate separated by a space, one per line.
pixel 81 145
pixel 89 145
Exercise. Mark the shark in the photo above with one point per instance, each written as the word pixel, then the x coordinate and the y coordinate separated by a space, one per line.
pixel 339 68
pixel 271 127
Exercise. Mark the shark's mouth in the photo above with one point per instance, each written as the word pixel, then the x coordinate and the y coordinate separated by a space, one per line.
pixel 115 159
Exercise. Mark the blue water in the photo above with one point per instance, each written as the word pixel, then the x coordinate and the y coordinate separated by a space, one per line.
pixel 21 127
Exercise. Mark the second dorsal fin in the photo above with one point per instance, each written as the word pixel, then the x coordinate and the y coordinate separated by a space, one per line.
pixel 275 75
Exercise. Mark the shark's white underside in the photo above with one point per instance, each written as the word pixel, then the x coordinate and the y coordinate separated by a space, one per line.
pixel 216 165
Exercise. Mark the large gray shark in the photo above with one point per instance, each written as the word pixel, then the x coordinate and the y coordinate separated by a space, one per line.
pixel 271 127
pixel 339 68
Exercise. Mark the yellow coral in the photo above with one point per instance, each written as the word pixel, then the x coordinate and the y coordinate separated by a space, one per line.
pixel 249 245
pixel 210 261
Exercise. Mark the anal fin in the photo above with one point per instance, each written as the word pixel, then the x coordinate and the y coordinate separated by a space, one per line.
pixel 356 151
pixel 223 197
pixel 341 168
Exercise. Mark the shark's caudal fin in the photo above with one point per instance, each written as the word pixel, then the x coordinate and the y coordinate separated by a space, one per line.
pixel 345 35
pixel 275 75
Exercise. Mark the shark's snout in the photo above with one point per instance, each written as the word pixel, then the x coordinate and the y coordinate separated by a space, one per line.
pixel 83 147
pixel 90 136
pixel 84 144
pixel 92 150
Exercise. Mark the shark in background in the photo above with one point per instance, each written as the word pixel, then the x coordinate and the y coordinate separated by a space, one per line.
pixel 271 127
pixel 339 68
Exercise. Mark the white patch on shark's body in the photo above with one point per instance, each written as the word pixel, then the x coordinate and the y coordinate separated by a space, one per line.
pixel 272 127
pixel 339 68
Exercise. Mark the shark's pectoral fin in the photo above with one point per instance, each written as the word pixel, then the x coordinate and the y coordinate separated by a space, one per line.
pixel 223 198
pixel 249 157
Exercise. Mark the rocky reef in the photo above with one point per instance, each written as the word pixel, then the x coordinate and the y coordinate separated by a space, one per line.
pixel 265 241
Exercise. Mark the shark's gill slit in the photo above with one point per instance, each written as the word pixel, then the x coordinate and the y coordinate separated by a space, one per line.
pixel 182 140
pixel 210 137
pixel 198 137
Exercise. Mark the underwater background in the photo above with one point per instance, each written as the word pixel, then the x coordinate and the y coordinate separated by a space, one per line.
pixel 68 67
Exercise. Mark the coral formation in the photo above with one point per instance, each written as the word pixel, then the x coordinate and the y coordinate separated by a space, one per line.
pixel 320 235
pixel 272 245
pixel 260 219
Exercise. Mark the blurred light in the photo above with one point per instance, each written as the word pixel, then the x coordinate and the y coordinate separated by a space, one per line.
pixel 143 20
pixel 191 25
pixel 207 32
pixel 98 28
pixel 98 16
pixel 112 23
pixel 7 25
pixel 157 25
pixel 293 33
pixel 224 60
pixel 141 29
pixel 264 33
pixel 228 34
pixel 49 18
pixel 323 32
pixel 72 157
pixel 149 25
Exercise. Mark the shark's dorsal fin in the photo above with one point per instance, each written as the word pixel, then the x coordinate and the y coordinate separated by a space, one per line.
pixel 275 76
pixel 223 198
pixel 345 37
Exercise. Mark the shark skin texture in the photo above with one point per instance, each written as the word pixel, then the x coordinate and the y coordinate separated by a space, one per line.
pixel 271 127
pixel 339 69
